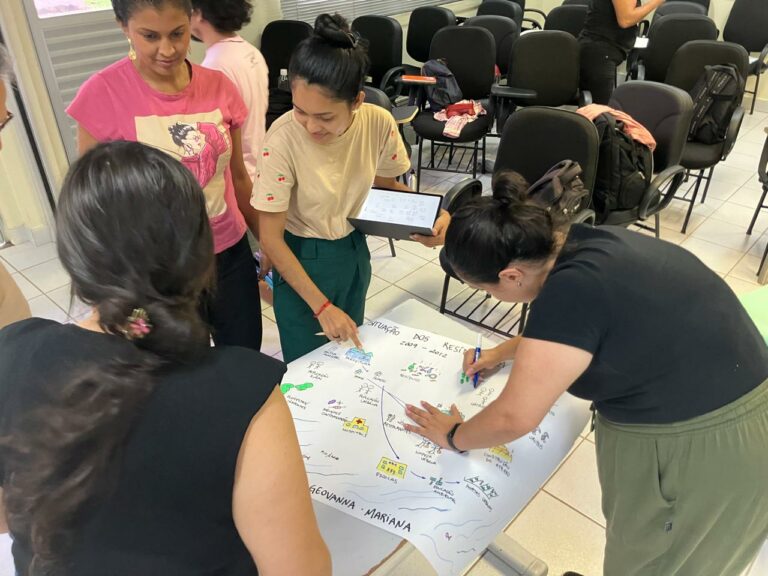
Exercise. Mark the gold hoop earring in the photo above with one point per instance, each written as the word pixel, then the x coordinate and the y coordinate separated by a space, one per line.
pixel 131 51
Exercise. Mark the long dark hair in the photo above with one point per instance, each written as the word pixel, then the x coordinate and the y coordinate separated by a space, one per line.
pixel 334 58
pixel 489 233
pixel 124 9
pixel 132 232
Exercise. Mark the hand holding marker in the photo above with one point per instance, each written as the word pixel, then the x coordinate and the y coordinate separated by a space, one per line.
pixel 477 357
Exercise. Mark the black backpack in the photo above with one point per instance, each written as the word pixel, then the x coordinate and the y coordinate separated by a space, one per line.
pixel 624 169
pixel 561 189
pixel 716 96
pixel 446 91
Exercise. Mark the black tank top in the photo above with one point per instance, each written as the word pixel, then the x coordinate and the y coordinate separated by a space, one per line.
pixel 601 26
pixel 171 514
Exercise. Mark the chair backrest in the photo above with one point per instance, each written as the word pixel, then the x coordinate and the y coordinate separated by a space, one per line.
pixel 504 31
pixel 377 97
pixel 470 54
pixel 682 7
pixel 666 112
pixel 278 41
pixel 422 27
pixel 511 10
pixel 536 138
pixel 385 43
pixel 567 18
pixel 747 24
pixel 667 35
pixel 704 3
pixel 576 2
pixel 688 63
pixel 548 62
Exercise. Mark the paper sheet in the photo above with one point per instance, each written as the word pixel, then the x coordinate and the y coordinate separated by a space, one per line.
pixel 349 409
pixel 416 210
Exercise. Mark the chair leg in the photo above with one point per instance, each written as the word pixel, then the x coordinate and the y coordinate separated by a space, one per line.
pixel 657 225
pixel 523 317
pixel 706 188
pixel 392 247
pixel 444 297
pixel 418 165
pixel 450 155
pixel 754 94
pixel 432 153
pixel 693 201
pixel 474 162
pixel 757 210
pixel 482 166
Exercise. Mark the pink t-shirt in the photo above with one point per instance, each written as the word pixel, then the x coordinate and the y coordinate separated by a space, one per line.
pixel 192 125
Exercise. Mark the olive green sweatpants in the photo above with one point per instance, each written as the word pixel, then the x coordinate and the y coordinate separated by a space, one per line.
pixel 341 269
pixel 688 498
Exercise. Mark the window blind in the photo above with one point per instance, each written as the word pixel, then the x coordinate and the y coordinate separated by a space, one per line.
pixel 308 10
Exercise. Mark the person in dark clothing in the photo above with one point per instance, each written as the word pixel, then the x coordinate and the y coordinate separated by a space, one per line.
pixel 676 370
pixel 608 36
pixel 127 440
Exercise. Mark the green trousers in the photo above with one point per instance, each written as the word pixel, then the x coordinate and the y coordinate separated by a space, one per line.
pixel 688 498
pixel 341 269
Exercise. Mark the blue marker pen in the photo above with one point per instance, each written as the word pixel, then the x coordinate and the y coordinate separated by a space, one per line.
pixel 477 357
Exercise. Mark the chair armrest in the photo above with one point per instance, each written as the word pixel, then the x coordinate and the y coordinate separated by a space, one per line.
pixel 585 98
pixel 534 24
pixel 391 75
pixel 762 59
pixel 511 92
pixel 585 216
pixel 460 193
pixel 640 71
pixel 653 201
pixel 733 131
pixel 404 114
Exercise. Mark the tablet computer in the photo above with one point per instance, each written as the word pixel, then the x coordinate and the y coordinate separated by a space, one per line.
pixel 396 214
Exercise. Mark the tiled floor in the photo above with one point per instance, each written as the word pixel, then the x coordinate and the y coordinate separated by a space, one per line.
pixel 563 524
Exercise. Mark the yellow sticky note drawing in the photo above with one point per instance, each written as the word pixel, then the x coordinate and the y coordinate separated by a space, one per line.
pixel 356 425
pixel 502 452
pixel 392 468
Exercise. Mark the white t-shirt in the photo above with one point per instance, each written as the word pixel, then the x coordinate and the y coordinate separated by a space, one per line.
pixel 242 63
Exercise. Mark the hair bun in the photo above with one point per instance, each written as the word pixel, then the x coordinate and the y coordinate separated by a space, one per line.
pixel 509 188
pixel 334 30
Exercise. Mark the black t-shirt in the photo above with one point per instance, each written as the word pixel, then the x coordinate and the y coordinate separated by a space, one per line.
pixel 670 339
pixel 171 514
pixel 601 25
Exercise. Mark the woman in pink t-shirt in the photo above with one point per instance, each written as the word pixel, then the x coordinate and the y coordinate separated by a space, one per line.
pixel 157 97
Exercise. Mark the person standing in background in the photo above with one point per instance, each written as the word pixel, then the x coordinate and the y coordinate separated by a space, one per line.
pixel 13 305
pixel 156 96
pixel 608 35
pixel 216 23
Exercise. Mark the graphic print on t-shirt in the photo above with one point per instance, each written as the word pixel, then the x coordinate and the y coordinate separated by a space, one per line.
pixel 199 141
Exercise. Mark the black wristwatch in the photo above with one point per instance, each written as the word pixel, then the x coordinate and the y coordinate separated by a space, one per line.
pixel 451 435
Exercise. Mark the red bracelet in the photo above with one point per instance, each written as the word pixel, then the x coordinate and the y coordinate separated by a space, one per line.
pixel 322 308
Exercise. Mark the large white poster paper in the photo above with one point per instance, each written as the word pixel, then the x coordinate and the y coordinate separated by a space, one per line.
pixel 349 408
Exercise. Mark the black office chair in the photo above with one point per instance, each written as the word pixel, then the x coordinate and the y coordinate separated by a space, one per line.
pixel 505 32
pixel 569 19
pixel 278 41
pixel 666 112
pixel 385 48
pixel 504 8
pixel 534 24
pixel 576 3
pixel 747 25
pixel 543 71
pixel 682 7
pixel 763 177
pixel 686 68
pixel 664 38
pixel 423 24
pixel 704 3
pixel 470 54
pixel 534 140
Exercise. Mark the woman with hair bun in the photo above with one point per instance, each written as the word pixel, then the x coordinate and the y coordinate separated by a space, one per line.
pixel 126 440
pixel 216 24
pixel 316 167
pixel 676 370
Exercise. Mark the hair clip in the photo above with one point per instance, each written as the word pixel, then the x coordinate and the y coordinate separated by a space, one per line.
pixel 138 325
pixel 354 37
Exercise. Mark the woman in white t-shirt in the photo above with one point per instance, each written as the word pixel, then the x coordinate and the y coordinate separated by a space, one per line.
pixel 316 167
pixel 216 24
